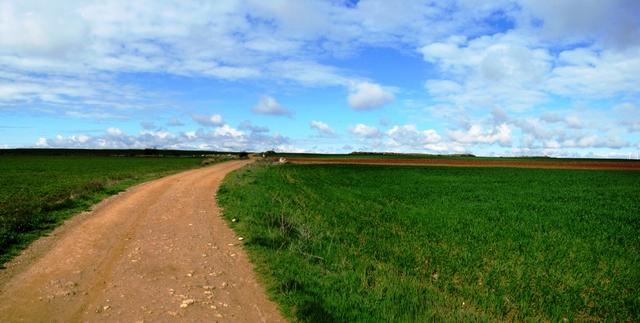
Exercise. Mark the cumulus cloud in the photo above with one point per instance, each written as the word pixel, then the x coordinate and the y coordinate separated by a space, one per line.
pixel 410 130
pixel 406 138
pixel 594 73
pixel 322 127
pixel 208 120
pixel 587 141
pixel 501 134
pixel 114 132
pixel 254 39
pixel 367 96
pixel 223 138
pixel 501 69
pixel 248 39
pixel 555 132
pixel 518 71
pixel 72 54
pixel 364 131
pixel 269 105
pixel 536 127
pixel 227 131
pixel 409 135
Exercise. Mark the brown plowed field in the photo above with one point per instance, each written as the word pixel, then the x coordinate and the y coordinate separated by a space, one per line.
pixel 552 163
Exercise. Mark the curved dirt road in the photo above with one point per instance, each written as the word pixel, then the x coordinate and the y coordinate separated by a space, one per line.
pixel 157 252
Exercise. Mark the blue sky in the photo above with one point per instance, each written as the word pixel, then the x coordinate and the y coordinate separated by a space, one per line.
pixel 503 77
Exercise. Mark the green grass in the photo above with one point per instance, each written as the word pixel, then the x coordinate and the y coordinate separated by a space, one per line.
pixel 37 193
pixel 388 244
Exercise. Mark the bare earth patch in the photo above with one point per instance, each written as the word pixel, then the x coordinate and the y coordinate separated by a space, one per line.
pixel 157 252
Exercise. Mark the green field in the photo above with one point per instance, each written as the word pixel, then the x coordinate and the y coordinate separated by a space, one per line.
pixel 357 155
pixel 388 244
pixel 39 192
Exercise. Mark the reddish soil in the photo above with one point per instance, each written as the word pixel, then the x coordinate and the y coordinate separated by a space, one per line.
pixel 158 252
pixel 552 163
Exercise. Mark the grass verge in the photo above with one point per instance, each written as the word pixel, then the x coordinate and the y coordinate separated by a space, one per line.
pixel 37 193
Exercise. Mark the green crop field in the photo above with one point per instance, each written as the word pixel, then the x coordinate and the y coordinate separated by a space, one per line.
pixel 39 192
pixel 389 244
pixel 363 155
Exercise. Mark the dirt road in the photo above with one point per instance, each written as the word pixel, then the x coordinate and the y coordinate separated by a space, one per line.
pixel 157 252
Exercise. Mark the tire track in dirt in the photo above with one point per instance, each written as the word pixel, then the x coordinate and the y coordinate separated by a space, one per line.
pixel 158 252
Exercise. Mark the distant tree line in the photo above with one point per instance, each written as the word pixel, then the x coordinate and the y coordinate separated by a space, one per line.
pixel 148 152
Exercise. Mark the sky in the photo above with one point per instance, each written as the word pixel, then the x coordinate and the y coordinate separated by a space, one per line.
pixel 492 78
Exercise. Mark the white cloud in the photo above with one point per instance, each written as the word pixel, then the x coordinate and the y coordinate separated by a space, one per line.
pixel 443 147
pixel 366 96
pixel 571 121
pixel 591 141
pixel 517 71
pixel 501 134
pixel 208 121
pixel 488 71
pixel 556 132
pixel 227 131
pixel 228 40
pixel 442 87
pixel 253 39
pixel 410 136
pixel 114 132
pixel 42 142
pixel 586 72
pixel 612 22
pixel 404 138
pixel 365 131
pixel 269 105
pixel 536 127
pixel 190 135
pixel 551 144
pixel 72 54
pixel 95 96
pixel 309 73
pixel 289 149
pixel 322 127
pixel 26 29
pixel 221 138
